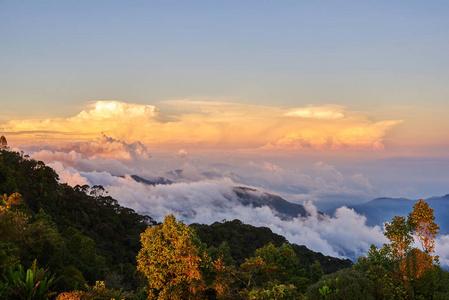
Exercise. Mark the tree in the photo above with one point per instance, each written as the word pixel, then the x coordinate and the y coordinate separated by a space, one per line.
pixel 269 268
pixel 3 142
pixel 426 229
pixel 399 271
pixel 315 272
pixel 399 232
pixel 344 284
pixel 171 261
pixel 14 199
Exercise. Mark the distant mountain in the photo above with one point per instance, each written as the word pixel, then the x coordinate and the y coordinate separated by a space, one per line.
pixel 381 210
pixel 247 196
pixel 160 180
pixel 284 209
pixel 176 174
pixel 180 174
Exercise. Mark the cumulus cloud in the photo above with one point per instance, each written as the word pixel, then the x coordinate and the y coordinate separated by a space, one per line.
pixel 335 136
pixel 319 112
pixel 323 183
pixel 69 175
pixel 115 110
pixel 81 162
pixel 102 154
pixel 106 147
pixel 121 119
pixel 217 125
pixel 183 153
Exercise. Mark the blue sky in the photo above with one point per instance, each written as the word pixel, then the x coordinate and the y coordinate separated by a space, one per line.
pixel 379 60
pixel 365 54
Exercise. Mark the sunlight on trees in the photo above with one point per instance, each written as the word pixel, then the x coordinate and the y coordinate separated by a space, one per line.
pixel 90 243
pixel 399 232
pixel 170 260
pixel 425 228
pixel 14 199
pixel 398 271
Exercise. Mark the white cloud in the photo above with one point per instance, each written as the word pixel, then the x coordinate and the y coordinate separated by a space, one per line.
pixel 328 172
pixel 183 153
pixel 345 234
pixel 215 125
pixel 69 175
pixel 361 181
pixel 442 249
pixel 107 147
pixel 341 134
pixel 115 110
pixel 318 112
pixel 194 199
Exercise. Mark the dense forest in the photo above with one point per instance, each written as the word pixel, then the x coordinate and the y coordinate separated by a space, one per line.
pixel 63 242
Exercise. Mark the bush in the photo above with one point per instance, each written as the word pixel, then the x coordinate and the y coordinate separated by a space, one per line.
pixel 345 284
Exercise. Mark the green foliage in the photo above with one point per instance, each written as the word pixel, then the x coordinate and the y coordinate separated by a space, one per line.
pixel 278 291
pixel 110 232
pixel 8 255
pixel 399 232
pixel 272 266
pixel 347 284
pixel 244 239
pixel 43 242
pixel 84 254
pixel 97 292
pixel 326 291
pixel 396 270
pixel 315 272
pixel 85 236
pixel 33 284
pixel 69 278
pixel 379 268
pixel 279 264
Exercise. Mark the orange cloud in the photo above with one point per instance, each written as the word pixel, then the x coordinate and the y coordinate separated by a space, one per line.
pixel 319 112
pixel 196 124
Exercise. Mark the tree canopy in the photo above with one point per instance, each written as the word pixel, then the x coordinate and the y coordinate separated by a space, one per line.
pixel 170 260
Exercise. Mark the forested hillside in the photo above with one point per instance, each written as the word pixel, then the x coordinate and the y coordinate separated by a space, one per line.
pixel 63 242
pixel 82 235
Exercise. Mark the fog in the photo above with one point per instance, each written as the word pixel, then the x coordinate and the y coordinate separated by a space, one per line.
pixel 202 190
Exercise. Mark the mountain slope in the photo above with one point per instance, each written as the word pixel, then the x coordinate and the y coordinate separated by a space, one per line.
pixel 381 210
pixel 284 209
pixel 244 239
pixel 247 196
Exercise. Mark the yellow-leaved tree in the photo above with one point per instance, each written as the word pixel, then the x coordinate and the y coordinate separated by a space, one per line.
pixel 423 222
pixel 171 260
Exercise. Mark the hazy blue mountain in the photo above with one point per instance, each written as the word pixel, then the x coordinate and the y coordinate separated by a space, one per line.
pixel 381 210
pixel 377 211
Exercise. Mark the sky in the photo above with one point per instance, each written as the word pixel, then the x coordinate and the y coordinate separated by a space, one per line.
pixel 325 103
pixel 376 59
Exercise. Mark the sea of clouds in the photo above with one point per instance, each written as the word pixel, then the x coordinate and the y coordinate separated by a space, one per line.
pixel 203 191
